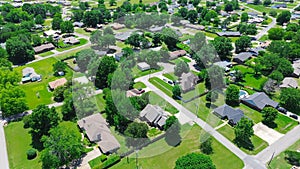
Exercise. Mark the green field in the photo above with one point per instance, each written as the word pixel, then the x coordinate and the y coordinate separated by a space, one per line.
pixel 159 150
pixel 262 8
pixel 257 142
pixel 18 141
pixel 279 162
pixel 33 89
pixel 100 101
pixel 82 42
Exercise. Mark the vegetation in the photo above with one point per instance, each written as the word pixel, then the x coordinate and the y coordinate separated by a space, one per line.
pixel 194 160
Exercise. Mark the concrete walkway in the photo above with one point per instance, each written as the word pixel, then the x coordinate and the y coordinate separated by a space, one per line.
pixel 4 164
pixel 90 156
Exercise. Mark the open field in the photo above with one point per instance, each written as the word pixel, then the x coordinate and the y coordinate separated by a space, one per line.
pixel 190 143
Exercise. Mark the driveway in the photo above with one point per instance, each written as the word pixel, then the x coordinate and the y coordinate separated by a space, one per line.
pixel 266 133
pixel 90 156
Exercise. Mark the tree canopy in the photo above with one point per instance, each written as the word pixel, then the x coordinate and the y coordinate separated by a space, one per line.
pixel 194 160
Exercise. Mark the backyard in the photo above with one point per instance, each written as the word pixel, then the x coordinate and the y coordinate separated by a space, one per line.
pixel 190 143
pixel 37 92
pixel 257 142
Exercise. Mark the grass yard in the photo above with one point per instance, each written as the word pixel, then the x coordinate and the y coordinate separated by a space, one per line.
pixel 46 54
pixel 33 89
pixel 211 35
pixel 139 85
pixel 199 89
pixel 175 61
pixel 250 78
pixel 138 73
pixel 121 138
pixel 150 155
pixel 48 22
pixel 262 8
pixel 18 141
pixel 100 101
pixel 257 142
pixel 82 31
pixel 162 85
pixel 264 38
pixel 279 162
pixel 70 53
pixel 81 40
pixel 252 114
pixel 171 76
pixel 153 132
pixel 284 123
pixel 157 100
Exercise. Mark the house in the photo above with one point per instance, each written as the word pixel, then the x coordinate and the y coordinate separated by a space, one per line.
pixel 242 57
pixel 96 129
pixel 43 48
pixel 143 66
pixel 154 116
pixel 184 22
pixel 78 24
pixel 256 20
pixel 227 112
pixel 118 56
pixel 51 33
pixel 29 74
pixel 81 80
pixel 176 54
pixel 255 51
pixel 117 26
pixel 123 36
pixel 253 14
pixel 154 29
pixel 229 34
pixel 90 29
pixel 192 26
pixel 259 101
pixel 71 41
pixel 224 64
pixel 296 66
pixel 188 81
pixel 289 82
pixel 277 6
pixel 59 82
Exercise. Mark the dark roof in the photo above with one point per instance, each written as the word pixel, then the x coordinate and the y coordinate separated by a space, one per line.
pixel 260 100
pixel 234 115
pixel 243 56
pixel 256 50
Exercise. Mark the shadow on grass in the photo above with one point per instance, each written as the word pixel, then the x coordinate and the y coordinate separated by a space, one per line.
pixel 271 124
pixel 244 144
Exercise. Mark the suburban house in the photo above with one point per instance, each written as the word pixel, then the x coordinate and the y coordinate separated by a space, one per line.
pixel 224 64
pixel 289 82
pixel 265 44
pixel 143 66
pixel 154 115
pixel 71 41
pixel 227 112
pixel 176 54
pixel 52 33
pixel 123 36
pixel 117 26
pixel 188 81
pixel 242 57
pixel 277 6
pixel 256 20
pixel 156 29
pixel 29 74
pixel 259 101
pixel 229 34
pixel 192 26
pixel 43 48
pixel 78 24
pixel 255 51
pixel 56 83
pixel 97 131
pixel 118 56
pixel 296 66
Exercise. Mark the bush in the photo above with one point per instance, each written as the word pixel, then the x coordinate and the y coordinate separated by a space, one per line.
pixel 31 154
pixel 111 160
pixel 102 157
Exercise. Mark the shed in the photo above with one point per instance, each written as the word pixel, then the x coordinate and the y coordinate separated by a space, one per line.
pixel 143 66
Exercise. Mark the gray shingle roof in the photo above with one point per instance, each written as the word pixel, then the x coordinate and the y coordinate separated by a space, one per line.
pixel 260 100
pixel 243 56
pixel 188 81
pixel 234 115
pixel 228 33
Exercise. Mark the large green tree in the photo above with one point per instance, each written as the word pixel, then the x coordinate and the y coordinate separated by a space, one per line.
pixel 269 115
pixel 107 65
pixel 170 37
pixel 181 67
pixel 232 95
pixel 194 160
pixel 223 46
pixel 242 44
pixel 283 17
pixel 67 27
pixel 290 99
pixel 243 133
pixel 19 51
pixel 136 134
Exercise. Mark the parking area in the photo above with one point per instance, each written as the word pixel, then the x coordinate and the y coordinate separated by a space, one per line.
pixel 266 133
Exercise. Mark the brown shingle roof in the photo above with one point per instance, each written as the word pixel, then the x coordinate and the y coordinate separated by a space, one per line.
pixel 59 82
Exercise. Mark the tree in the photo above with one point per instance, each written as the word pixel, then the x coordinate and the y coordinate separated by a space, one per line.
pixel 267 2
pixel 205 56
pixel 68 110
pixel 228 7
pixel 107 65
pixel 59 66
pixel 77 15
pixel 136 134
pixel 197 42
pixel 67 27
pixel 283 17
pixel 83 5
pixel 19 51
pixel 214 78
pixel 290 99
pixel 273 13
pixel 211 96
pixel 223 46
pixel 153 57
pixel 292 27
pixel 57 20
pixel 62 146
pixel 84 57
pixel 232 95
pixel 194 160
pixel 192 16
pixel 39 19
pixel 276 33
pixel 176 19
pixel 276 75
pixel 269 116
pixel 112 2
pixel 243 132
pixel 173 137
pixel 170 37
pixel 58 93
pixel 36 40
pixel 176 91
pixel 134 40
pixel 293 157
pixel 183 12
pixel 210 15
pixel 169 122
pixel 206 146
pixel 256 2
pixel 242 44
pixel 244 17
pixel 181 67
pixel 42 120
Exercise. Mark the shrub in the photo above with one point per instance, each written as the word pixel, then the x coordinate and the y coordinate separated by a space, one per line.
pixel 102 157
pixel 111 160
pixel 31 154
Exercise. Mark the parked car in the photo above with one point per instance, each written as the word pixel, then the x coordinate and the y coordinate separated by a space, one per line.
pixel 170 82
pixel 282 110
pixel 294 116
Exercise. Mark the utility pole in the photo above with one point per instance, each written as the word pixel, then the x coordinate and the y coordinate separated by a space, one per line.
pixel 271 158
pixel 136 158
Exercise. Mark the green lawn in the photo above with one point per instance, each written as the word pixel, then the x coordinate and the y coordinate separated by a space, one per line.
pixel 18 141
pixel 250 78
pixel 82 42
pixel 175 61
pixel 155 152
pixel 100 101
pixel 32 89
pixel 162 85
pixel 257 142
pixel 46 54
pixel 211 35
pixel 138 73
pixel 82 31
pixel 171 76
pixel 121 44
pixel 199 89
pixel 153 132
pixel 262 8
pixel 121 139
pixel 139 85
pixel 252 114
pixel 48 22
pixel 157 100
pixel 279 162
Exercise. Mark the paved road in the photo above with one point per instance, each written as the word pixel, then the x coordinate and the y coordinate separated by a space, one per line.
pixel 3 152
pixel 249 161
